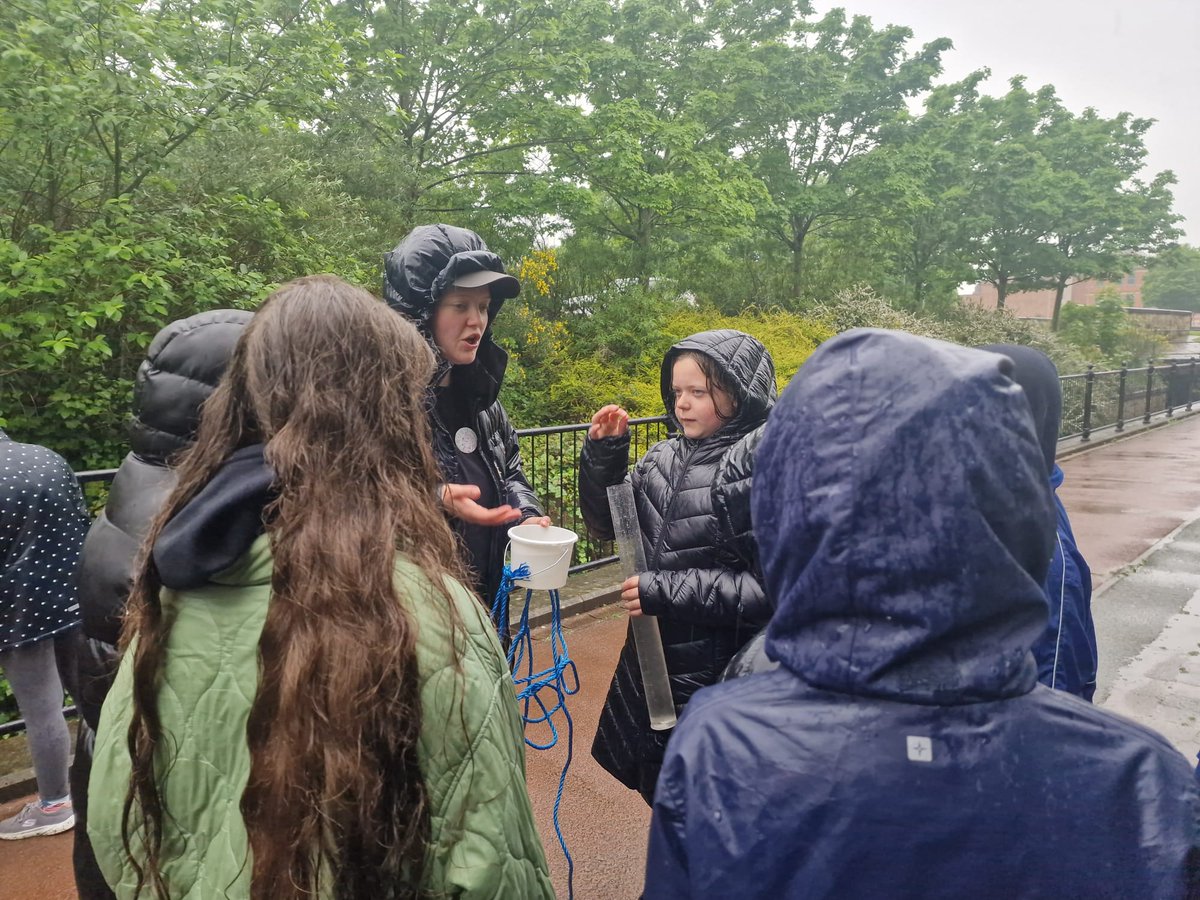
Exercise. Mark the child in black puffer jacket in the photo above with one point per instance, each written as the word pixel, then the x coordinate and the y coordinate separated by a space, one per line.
pixel 717 387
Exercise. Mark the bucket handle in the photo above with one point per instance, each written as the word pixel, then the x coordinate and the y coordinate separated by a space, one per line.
pixel 531 575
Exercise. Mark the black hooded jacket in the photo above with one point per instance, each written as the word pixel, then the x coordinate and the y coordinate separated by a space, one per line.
pixel 707 609
pixel 416 274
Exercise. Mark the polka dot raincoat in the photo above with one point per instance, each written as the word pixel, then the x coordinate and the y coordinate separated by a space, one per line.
pixel 43 520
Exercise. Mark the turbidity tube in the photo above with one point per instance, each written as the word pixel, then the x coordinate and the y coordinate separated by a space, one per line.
pixel 646 638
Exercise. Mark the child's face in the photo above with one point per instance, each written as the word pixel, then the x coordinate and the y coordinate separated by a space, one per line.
pixel 701 410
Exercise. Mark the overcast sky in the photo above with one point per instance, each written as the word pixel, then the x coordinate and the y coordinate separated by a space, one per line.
pixel 1115 55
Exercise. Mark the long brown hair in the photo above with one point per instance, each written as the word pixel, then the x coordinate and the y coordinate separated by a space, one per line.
pixel 333 383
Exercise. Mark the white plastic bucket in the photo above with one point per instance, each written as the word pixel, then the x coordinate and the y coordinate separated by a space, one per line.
pixel 546 549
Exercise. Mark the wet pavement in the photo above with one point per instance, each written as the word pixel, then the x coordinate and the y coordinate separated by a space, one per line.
pixel 1131 503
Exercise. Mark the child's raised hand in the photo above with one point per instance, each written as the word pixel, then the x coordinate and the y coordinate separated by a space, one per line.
pixel 609 421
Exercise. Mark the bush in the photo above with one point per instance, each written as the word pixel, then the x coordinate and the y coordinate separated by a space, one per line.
pixel 860 307
pixel 81 306
pixel 1104 331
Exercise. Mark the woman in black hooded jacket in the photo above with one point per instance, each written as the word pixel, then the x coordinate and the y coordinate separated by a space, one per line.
pixel 446 282
pixel 183 364
pixel 707 605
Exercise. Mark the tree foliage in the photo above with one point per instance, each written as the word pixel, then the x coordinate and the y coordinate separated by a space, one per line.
pixel 682 163
pixel 1173 281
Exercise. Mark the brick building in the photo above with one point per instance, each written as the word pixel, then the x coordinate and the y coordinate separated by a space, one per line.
pixel 1040 304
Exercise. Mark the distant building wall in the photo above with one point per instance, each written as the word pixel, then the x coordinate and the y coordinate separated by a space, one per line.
pixel 1040 304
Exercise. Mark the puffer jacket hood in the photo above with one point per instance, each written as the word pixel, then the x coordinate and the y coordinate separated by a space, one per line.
pixel 746 365
pixel 182 366
pixel 416 274
pixel 904 522
pixel 418 271
pixel 1037 375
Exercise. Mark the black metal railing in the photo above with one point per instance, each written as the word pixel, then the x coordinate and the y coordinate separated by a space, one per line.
pixel 551 458
pixel 1091 401
pixel 1116 398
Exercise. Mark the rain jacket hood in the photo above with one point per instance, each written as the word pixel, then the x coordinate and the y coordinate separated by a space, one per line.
pixel 747 368
pixel 1067 653
pixel 887 456
pixel 1038 377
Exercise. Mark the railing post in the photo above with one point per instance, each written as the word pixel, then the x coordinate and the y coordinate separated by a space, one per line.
pixel 1191 384
pixel 1121 397
pixel 1089 381
pixel 1149 390
pixel 1170 388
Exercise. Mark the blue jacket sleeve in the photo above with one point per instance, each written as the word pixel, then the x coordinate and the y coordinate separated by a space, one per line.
pixel 1066 652
pixel 666 857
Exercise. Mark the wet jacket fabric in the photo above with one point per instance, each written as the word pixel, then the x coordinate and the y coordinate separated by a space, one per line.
pixel 904 523
pixel 471 748
pixel 706 609
pixel 1067 651
pixel 416 273
pixel 183 364
pixel 42 522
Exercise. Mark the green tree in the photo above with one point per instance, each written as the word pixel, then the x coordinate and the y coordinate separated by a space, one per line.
pixel 1108 219
pixel 441 112
pixel 833 99
pixel 1173 281
pixel 664 87
pixel 1009 204
pixel 925 237
pixel 95 98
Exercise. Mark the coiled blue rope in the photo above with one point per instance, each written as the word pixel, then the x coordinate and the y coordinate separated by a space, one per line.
pixel 530 685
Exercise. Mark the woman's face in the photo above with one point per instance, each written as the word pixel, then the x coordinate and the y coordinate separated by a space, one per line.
pixel 459 322
pixel 701 410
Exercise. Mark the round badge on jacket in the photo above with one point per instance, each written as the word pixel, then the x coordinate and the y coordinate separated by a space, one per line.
pixel 466 440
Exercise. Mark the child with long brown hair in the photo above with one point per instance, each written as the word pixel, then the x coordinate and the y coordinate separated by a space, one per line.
pixel 291 718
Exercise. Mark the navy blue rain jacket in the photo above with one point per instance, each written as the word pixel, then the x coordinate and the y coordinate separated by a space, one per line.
pixel 1066 653
pixel 904 747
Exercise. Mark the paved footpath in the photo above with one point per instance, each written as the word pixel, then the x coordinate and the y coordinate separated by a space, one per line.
pixel 1135 507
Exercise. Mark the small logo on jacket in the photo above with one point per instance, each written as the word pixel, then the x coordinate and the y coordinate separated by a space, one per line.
pixel 920 749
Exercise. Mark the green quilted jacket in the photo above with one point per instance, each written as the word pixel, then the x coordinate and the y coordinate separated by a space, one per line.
pixel 484 843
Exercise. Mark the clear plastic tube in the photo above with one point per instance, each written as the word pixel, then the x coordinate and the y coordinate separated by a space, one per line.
pixel 646 638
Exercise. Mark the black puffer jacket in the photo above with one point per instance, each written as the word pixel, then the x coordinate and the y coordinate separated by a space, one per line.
pixel 182 366
pixel 706 609
pixel 734 539
pixel 415 275
pixel 733 532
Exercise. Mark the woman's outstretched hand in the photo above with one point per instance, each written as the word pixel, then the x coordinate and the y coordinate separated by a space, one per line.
pixel 461 500
pixel 609 421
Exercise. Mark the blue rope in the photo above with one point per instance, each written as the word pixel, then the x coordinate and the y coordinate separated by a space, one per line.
pixel 530 685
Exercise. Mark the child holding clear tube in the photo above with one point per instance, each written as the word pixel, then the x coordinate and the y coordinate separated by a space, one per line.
pixel 717 386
